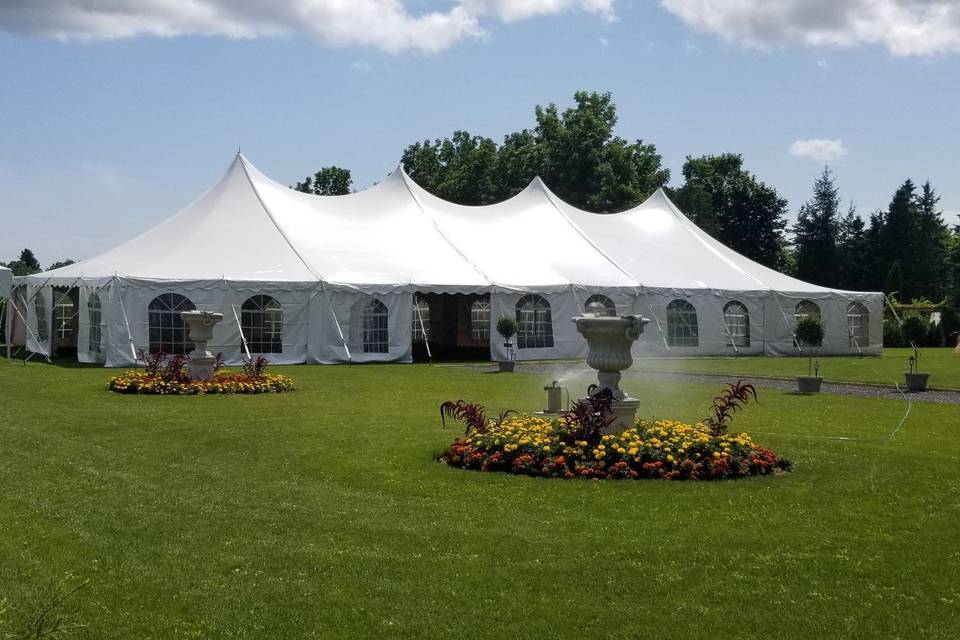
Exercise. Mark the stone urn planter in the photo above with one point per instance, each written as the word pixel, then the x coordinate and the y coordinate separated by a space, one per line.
pixel 507 328
pixel 201 323
pixel 917 381
pixel 507 366
pixel 809 384
pixel 608 343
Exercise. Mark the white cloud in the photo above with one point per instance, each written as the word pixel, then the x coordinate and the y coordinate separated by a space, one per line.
pixel 904 27
pixel 513 10
pixel 819 149
pixel 387 25
pixel 361 65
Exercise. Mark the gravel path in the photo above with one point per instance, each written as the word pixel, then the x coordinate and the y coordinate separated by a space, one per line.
pixel 573 371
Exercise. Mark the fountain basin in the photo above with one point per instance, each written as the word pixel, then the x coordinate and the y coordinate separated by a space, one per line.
pixel 201 324
pixel 609 340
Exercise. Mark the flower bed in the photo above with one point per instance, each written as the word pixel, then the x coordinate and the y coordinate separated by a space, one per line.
pixel 575 445
pixel 536 446
pixel 222 382
pixel 167 375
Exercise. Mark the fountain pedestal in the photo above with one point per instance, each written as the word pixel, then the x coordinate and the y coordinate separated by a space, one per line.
pixel 201 323
pixel 608 341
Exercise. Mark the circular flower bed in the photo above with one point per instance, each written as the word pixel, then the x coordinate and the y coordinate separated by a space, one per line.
pixel 222 382
pixel 536 446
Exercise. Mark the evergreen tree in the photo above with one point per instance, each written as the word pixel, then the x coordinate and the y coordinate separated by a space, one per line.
pixel 817 234
pixel 734 206
pixel 931 246
pixel 853 253
pixel 26 264
pixel 896 242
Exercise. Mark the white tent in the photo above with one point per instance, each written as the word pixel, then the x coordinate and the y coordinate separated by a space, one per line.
pixel 6 280
pixel 362 277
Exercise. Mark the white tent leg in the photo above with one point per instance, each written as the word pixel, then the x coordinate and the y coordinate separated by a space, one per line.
pixel 423 329
pixel 35 337
pixel 336 322
pixel 243 339
pixel 126 322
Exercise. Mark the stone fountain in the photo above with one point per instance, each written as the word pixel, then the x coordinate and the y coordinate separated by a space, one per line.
pixel 608 341
pixel 201 323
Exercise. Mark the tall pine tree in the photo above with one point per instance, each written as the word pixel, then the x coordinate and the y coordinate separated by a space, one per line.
pixel 817 234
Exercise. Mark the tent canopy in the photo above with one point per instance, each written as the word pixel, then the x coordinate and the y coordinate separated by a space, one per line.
pixel 397 236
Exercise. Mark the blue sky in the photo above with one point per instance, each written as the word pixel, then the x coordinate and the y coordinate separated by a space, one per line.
pixel 108 128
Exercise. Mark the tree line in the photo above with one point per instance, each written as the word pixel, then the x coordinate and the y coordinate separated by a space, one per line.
pixel 906 249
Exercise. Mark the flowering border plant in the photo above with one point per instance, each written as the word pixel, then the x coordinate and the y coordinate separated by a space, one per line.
pixel 165 375
pixel 573 446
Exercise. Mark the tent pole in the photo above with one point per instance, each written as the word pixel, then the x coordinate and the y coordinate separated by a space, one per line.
pixel 126 322
pixel 35 337
pixel 796 342
pixel 726 328
pixel 423 329
pixel 333 313
pixel 897 317
pixel 243 339
pixel 6 325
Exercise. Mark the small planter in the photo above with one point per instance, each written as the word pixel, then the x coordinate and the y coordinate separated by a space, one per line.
pixel 809 384
pixel 506 366
pixel 917 381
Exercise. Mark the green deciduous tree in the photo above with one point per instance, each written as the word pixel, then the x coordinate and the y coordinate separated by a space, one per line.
pixel 574 151
pixel 328 181
pixel 734 206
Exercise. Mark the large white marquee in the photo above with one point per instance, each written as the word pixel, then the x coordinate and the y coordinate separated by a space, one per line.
pixel 368 276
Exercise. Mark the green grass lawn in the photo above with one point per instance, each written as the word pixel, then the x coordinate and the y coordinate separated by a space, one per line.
pixel 321 514
pixel 943 365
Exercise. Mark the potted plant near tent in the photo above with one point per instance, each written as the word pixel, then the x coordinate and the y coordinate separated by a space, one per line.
pixel 914 330
pixel 916 381
pixel 809 333
pixel 507 328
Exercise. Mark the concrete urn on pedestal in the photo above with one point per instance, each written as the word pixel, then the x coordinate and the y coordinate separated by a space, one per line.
pixel 201 323
pixel 608 342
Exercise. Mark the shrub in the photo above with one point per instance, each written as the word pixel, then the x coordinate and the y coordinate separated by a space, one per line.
pixel 507 327
pixel 735 396
pixel 914 330
pixel 892 334
pixel 809 332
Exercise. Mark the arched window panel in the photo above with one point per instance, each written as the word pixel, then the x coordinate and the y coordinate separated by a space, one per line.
pixel 95 321
pixel 806 309
pixel 261 319
pixel 858 325
pixel 64 312
pixel 40 309
pixel 420 320
pixel 376 335
pixel 600 305
pixel 480 320
pixel 736 320
pixel 167 331
pixel 682 328
pixel 535 323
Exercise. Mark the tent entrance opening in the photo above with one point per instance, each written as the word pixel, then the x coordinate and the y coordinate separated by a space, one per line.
pixel 456 326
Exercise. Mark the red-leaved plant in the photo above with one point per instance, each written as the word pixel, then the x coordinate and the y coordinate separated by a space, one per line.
pixel 588 419
pixel 162 366
pixel 473 416
pixel 734 397
pixel 255 368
